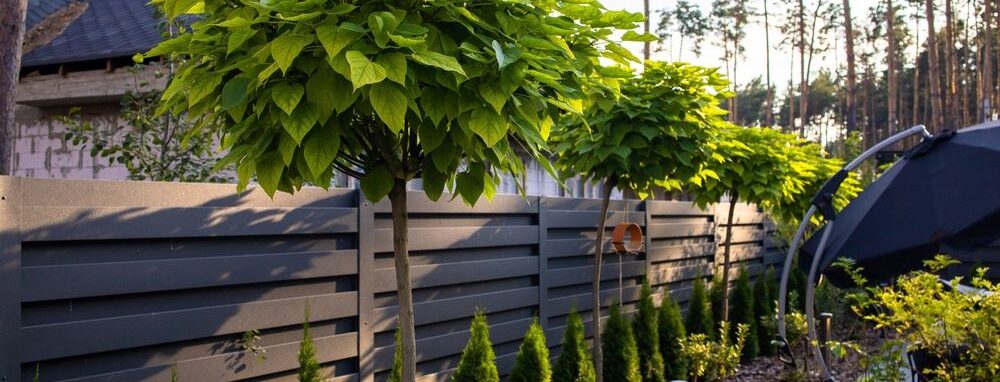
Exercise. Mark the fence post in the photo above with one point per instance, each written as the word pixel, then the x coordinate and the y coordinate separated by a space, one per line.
pixel 10 278
pixel 366 288
pixel 543 264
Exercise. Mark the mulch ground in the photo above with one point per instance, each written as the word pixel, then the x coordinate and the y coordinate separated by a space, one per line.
pixel 772 369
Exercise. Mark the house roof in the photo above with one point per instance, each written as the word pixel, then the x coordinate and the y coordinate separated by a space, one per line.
pixel 107 29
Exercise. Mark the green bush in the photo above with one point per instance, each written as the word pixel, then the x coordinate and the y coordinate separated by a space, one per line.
pixel 308 365
pixel 671 333
pixel 710 360
pixel 396 374
pixel 647 337
pixel 699 315
pixel 532 362
pixel 621 358
pixel 478 363
pixel 574 364
pixel 763 309
pixel 742 313
pixel 715 299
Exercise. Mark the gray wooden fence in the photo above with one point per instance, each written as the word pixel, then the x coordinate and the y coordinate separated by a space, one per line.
pixel 130 281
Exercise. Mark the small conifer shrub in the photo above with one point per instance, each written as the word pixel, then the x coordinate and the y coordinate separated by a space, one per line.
pixel 308 365
pixel 478 363
pixel 671 327
pixel 699 315
pixel 647 337
pixel 532 362
pixel 621 356
pixel 743 314
pixel 574 363
pixel 395 375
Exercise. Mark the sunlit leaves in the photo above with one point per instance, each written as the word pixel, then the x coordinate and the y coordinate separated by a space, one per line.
pixel 390 105
pixel 438 60
pixel 488 125
pixel 364 71
pixel 286 95
pixel 286 48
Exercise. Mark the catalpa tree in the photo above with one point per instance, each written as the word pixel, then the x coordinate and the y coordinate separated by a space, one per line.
pixel 657 135
pixel 388 91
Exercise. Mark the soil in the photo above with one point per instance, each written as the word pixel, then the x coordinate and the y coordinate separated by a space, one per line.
pixel 772 369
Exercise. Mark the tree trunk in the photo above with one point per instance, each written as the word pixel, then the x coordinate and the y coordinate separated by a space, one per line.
pixel 803 85
pixel 933 64
pixel 951 62
pixel 791 92
pixel 726 264
pixel 404 292
pixel 645 27
pixel 987 82
pixel 964 70
pixel 609 184
pixel 769 113
pixel 915 118
pixel 12 13
pixel 890 19
pixel 852 76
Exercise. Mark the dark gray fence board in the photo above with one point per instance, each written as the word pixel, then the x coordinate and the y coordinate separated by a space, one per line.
pixel 126 280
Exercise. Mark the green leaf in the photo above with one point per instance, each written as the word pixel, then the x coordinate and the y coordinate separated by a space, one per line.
pixel 495 96
pixel 376 183
pixel 234 92
pixel 438 60
pixel 640 37
pixel 408 42
pixel 431 135
pixel 299 122
pixel 363 71
pixel 202 86
pixel 321 90
pixel 287 47
pixel 434 103
pixel 389 103
pixel 320 148
pixel 433 182
pixel 469 184
pixel 287 95
pixel 174 8
pixel 489 125
pixel 286 147
pixel 269 169
pixel 238 38
pixel 395 66
pixel 335 38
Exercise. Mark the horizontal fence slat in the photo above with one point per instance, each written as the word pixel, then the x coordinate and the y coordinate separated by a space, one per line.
pixel 590 219
pixel 92 336
pixel 578 275
pixel 422 239
pixel 679 230
pixel 102 279
pixel 657 254
pixel 384 319
pixel 426 276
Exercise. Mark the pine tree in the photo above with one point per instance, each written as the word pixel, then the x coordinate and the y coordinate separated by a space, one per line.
pixel 671 332
pixel 395 375
pixel 715 292
pixel 699 315
pixel 532 362
pixel 647 337
pixel 743 313
pixel 573 364
pixel 308 366
pixel 763 304
pixel 621 358
pixel 477 363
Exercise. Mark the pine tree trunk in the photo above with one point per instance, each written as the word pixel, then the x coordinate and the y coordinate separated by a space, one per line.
pixel 645 28
pixel 890 18
pixel 951 62
pixel 726 263
pixel 987 74
pixel 769 113
pixel 609 184
pixel 852 77
pixel 12 13
pixel 803 85
pixel 404 293
pixel 965 73
pixel 791 92
pixel 933 76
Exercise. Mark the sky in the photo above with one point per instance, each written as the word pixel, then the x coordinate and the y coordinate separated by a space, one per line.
pixel 753 63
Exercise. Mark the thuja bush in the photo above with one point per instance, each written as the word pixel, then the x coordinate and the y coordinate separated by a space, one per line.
pixel 574 364
pixel 743 313
pixel 308 365
pixel 699 315
pixel 621 355
pixel 532 362
pixel 715 297
pixel 671 331
pixel 763 310
pixel 647 337
pixel 478 363
pixel 395 375
pixel 714 360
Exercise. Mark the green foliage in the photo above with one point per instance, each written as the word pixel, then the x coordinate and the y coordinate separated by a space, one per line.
pixel 384 90
pixel 959 331
pixel 647 337
pixel 621 355
pixel 715 296
pixel 656 135
pixel 532 362
pixel 252 343
pixel 478 363
pixel 574 364
pixel 395 374
pixel 742 313
pixel 150 147
pixel 714 361
pixel 671 331
pixel 699 314
pixel 308 365
pixel 763 311
pixel 38 373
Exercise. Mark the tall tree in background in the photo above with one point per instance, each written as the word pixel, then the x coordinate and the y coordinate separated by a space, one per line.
pixel 803 81
pixel 691 24
pixel 645 28
pixel 892 82
pixel 933 78
pixel 729 19
pixel 12 13
pixel 852 97
pixel 986 84
pixel 951 66
pixel 769 113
